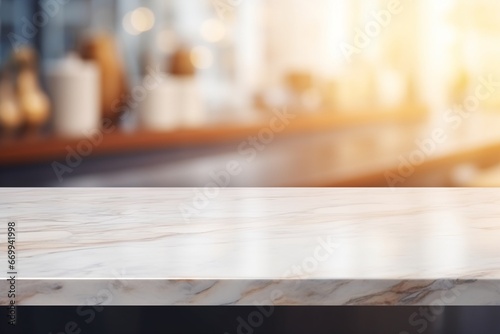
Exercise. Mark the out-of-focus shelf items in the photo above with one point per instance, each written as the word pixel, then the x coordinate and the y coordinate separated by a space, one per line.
pixel 42 149
pixel 158 92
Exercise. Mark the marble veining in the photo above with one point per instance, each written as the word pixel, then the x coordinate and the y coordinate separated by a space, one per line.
pixel 234 246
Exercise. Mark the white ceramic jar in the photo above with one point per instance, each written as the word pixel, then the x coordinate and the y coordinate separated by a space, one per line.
pixel 74 86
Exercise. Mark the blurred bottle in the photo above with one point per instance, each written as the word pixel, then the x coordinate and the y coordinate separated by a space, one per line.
pixel 190 100
pixel 181 64
pixel 176 101
pixel 33 102
pixel 305 95
pixel 11 116
pixel 102 49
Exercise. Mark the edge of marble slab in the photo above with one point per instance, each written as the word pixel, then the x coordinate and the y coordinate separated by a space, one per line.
pixel 205 292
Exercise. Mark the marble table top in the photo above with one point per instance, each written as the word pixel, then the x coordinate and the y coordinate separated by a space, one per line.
pixel 242 246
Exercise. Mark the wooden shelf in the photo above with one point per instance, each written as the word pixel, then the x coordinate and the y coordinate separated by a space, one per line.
pixel 39 150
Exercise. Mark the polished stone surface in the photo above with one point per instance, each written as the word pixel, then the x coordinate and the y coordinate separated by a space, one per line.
pixel 287 246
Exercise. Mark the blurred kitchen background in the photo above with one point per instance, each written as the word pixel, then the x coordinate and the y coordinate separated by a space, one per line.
pixel 210 93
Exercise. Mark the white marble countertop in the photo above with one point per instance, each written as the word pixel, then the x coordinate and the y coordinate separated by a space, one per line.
pixel 310 246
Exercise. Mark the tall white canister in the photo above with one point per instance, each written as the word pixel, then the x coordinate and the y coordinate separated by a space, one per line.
pixel 74 85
